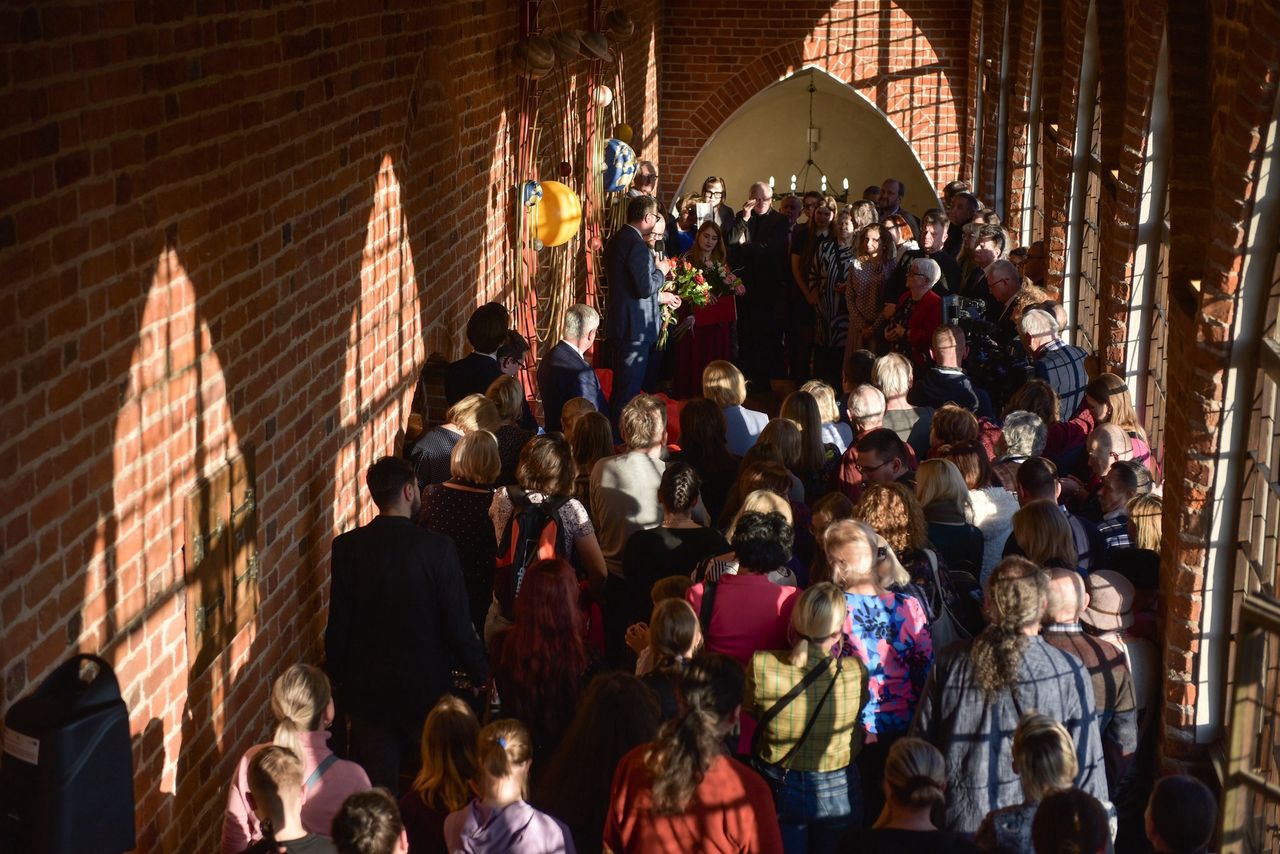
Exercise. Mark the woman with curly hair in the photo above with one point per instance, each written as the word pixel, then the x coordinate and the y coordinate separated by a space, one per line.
pixel 683 792
pixel 872 264
pixel 892 511
pixel 824 289
pixel 540 663
pixel 978 692
pixel 888 632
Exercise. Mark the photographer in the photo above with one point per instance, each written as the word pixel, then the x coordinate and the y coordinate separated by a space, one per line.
pixel 946 381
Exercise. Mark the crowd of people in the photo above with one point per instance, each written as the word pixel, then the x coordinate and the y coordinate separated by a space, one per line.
pixel 913 611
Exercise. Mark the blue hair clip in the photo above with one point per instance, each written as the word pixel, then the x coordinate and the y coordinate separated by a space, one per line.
pixel 502 742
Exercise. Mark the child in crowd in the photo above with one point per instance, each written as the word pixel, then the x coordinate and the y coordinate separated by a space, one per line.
pixel 499 819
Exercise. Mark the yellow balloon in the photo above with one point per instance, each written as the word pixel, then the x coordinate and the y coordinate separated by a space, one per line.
pixel 623 132
pixel 558 216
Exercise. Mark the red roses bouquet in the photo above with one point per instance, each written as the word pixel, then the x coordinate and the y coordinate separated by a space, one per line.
pixel 697 287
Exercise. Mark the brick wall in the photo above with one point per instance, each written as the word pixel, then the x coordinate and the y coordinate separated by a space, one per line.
pixel 225 228
pixel 1218 131
pixel 907 58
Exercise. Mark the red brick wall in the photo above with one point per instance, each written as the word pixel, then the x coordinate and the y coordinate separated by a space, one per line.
pixel 907 58
pixel 220 228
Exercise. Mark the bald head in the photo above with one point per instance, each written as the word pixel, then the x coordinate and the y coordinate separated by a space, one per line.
pixel 1067 596
pixel 1107 444
pixel 948 346
pixel 866 408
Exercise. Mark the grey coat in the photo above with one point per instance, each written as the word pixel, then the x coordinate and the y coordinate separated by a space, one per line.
pixel 975 731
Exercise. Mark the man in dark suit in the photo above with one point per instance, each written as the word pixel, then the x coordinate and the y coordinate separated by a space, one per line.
pixel 564 373
pixel 398 622
pixel 486 331
pixel 946 381
pixel 759 251
pixel 634 318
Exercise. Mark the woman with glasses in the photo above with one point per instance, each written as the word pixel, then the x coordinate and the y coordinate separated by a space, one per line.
pixel 917 314
pixel 713 193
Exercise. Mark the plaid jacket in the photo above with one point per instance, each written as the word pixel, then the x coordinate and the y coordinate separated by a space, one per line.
pixel 1062 366
pixel 836 736
pixel 1114 533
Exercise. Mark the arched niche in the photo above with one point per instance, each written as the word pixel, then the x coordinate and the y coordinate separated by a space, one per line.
pixel 767 136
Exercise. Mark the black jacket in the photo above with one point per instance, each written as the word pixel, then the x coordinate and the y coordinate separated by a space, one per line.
pixel 937 387
pixel 399 621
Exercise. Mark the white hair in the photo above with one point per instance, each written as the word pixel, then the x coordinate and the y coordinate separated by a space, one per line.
pixel 866 406
pixel 1037 323
pixel 579 319
pixel 1024 433
pixel 893 375
pixel 928 268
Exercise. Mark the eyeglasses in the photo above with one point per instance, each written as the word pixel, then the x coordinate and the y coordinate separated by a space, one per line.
pixel 869 469
pixel 714 194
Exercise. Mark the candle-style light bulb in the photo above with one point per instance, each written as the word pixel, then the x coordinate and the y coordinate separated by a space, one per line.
pixel 845 184
pixel 824 183
pixel 770 182
pixel 793 183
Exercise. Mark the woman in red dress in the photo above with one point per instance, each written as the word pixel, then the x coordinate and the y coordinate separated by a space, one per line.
pixel 711 336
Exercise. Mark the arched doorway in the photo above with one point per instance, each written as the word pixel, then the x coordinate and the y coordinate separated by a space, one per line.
pixel 767 136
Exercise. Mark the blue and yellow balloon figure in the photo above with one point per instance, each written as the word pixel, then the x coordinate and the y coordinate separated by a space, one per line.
pixel 619 166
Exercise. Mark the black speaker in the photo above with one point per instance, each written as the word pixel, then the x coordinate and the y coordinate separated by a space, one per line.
pixel 67 774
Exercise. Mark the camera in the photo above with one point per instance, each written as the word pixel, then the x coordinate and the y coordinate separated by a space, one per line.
pixel 956 308
pixel 996 366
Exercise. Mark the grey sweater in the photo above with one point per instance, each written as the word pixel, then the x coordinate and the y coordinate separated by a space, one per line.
pixel 974 731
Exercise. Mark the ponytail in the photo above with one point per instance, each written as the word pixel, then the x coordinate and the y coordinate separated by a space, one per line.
pixel 503 745
pixel 687 745
pixel 298 701
pixel 1015 599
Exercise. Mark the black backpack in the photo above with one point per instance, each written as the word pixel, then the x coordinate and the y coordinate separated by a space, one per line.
pixel 533 534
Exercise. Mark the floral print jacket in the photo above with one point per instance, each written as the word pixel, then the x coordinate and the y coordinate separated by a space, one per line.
pixel 890 635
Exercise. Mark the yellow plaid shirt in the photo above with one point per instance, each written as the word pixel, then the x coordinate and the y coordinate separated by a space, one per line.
pixel 835 738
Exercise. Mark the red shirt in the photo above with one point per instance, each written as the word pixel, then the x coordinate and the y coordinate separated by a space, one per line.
pixel 731 810
pixel 926 316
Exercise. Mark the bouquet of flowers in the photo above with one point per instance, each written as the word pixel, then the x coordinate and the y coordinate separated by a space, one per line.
pixel 697 287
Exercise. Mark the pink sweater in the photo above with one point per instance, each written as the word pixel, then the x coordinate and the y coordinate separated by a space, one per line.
pixel 240 826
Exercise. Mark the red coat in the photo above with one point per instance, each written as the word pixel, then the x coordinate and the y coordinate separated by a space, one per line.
pixel 925 317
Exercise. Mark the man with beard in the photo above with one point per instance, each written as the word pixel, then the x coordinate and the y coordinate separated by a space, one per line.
pixel 758 250
pixel 889 203
pixel 398 622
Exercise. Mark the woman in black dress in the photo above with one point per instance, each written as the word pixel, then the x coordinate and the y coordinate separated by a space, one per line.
pixel 459 509
pixel 431 454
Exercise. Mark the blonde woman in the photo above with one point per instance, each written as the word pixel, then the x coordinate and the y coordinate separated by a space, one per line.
pixel 448 767
pixel 1107 399
pixel 886 631
pixel 499 819
pixel 459 509
pixel 1044 535
pixel 725 385
pixel 1044 759
pixel 302 704
pixel 508 397
pixel 806 755
pixel 834 431
pixel 915 785
pixel 430 454
pixel 944 497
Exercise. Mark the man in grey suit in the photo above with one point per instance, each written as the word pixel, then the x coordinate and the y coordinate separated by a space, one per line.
pixel 634 319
